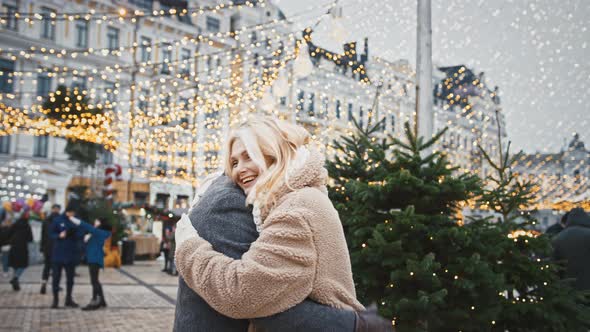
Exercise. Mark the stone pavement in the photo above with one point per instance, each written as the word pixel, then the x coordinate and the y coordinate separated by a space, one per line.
pixel 139 298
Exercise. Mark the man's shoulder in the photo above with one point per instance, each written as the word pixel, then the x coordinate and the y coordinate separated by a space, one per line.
pixel 223 191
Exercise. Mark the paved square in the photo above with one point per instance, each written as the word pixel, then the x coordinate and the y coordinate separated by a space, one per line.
pixel 139 297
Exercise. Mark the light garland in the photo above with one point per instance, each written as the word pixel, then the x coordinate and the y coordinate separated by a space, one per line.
pixel 122 14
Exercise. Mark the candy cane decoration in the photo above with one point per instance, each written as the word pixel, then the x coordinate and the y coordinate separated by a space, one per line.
pixel 112 173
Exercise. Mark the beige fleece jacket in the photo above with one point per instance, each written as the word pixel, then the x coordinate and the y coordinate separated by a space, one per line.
pixel 301 252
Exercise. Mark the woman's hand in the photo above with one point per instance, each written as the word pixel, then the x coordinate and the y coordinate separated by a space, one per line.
pixel 184 230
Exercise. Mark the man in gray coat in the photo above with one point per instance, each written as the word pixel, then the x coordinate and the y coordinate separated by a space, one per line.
pixel 222 218
pixel 573 245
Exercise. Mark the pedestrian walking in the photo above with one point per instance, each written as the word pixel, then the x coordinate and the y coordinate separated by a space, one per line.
pixel 47 245
pixel 171 255
pixel 4 244
pixel 95 239
pixel 165 247
pixel 66 255
pixel 573 246
pixel 18 257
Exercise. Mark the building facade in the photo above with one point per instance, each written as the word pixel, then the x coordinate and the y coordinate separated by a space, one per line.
pixel 472 112
pixel 167 77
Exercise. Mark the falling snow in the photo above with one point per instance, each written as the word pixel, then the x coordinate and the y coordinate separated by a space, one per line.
pixel 535 52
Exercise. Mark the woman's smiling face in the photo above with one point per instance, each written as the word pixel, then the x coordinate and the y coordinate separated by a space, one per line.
pixel 244 171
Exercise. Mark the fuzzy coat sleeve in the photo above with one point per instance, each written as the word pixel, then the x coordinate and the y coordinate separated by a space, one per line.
pixel 275 274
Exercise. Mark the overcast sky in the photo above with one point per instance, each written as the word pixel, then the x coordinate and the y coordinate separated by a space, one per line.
pixel 537 52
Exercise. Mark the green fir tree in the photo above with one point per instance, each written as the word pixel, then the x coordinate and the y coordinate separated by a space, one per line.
pixel 67 106
pixel 410 254
pixel 533 287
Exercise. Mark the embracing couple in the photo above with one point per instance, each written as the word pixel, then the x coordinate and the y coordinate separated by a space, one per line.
pixel 262 247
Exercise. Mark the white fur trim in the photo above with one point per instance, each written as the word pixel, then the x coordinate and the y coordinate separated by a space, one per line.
pixel 301 156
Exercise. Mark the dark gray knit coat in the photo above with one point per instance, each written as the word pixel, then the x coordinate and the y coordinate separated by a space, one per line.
pixel 222 218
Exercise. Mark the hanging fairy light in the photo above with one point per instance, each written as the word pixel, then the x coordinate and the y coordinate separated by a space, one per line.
pixel 302 66
pixel 21 179
pixel 280 87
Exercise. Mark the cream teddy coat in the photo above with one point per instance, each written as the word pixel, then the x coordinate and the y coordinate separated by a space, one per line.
pixel 301 252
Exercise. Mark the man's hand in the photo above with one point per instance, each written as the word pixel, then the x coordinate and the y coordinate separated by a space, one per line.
pixel 370 321
pixel 62 235
pixel 184 230
pixel 75 221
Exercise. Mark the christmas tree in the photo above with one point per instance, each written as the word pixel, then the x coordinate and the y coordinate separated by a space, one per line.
pixel 533 287
pixel 71 108
pixel 410 254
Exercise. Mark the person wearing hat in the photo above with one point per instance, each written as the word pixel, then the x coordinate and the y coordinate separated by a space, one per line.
pixel 47 245
pixel 66 253
pixel 20 235
pixel 573 246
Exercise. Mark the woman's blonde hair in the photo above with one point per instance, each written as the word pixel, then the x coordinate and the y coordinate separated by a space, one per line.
pixel 271 144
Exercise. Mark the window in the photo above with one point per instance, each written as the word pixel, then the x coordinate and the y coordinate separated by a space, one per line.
pixel 166 58
pixel 43 84
pixel 5 144
pixel 107 157
pixel 338 109
pixel 81 33
pixel 161 169
pixel 181 202
pixel 48 23
pixel 143 100
pixel 146 49
pixel 113 39
pixel 311 106
pixel 361 116
pixel 162 200
pixel 145 4
pixel 7 69
pixel 324 107
pixel 392 123
pixel 350 116
pixel 212 24
pixel 212 161
pixel 79 83
pixel 40 146
pixel 283 101
pixel 140 198
pixel 253 38
pixel 185 56
pixel 11 22
pixel 232 24
pixel 300 100
pixel 209 65
pixel 165 102
pixel 109 92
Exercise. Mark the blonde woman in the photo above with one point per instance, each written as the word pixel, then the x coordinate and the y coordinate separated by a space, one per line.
pixel 301 251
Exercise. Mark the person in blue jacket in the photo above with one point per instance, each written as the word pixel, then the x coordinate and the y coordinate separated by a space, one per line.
pixel 95 238
pixel 65 253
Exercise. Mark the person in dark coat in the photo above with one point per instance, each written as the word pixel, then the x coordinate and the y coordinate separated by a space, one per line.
pixel 558 226
pixel 95 239
pixel 47 245
pixel 66 253
pixel 573 246
pixel 5 224
pixel 165 247
pixel 18 256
